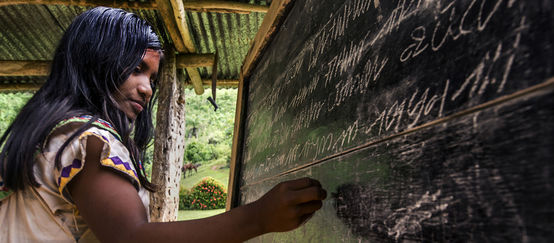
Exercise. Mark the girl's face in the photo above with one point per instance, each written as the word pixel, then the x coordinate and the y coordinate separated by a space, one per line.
pixel 136 91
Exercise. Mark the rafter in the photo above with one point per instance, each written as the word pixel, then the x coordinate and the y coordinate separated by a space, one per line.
pixel 86 3
pixel 41 68
pixel 195 60
pixel 198 6
pixel 24 68
pixel 19 87
pixel 224 7
pixel 221 83
pixel 173 15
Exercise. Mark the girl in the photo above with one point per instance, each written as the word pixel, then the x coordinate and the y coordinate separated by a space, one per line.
pixel 71 158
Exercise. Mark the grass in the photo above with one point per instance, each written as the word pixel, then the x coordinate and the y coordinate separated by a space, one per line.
pixel 198 214
pixel 206 169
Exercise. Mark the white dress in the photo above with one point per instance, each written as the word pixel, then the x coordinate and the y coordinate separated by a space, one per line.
pixel 47 213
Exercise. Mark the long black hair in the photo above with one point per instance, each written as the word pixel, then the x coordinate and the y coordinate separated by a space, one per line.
pixel 97 53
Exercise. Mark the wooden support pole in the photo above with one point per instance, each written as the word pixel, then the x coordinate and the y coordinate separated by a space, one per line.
pixel 169 144
pixel 195 60
pixel 224 7
pixel 86 3
pixel 24 68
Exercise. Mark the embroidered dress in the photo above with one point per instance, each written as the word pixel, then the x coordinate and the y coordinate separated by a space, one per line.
pixel 47 213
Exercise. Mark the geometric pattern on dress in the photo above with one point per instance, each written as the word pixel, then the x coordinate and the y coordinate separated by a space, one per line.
pixel 68 172
pixel 118 164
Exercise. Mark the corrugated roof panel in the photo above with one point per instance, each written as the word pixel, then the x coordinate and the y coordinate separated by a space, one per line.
pixel 229 34
pixel 64 15
pixel 156 21
pixel 31 32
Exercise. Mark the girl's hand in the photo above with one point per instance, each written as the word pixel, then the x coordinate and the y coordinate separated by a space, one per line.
pixel 289 204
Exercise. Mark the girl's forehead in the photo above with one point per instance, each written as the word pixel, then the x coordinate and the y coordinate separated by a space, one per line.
pixel 153 52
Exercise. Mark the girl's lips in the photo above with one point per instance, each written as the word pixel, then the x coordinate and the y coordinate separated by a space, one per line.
pixel 138 107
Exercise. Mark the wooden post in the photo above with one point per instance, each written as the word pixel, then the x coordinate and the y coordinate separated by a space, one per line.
pixel 169 144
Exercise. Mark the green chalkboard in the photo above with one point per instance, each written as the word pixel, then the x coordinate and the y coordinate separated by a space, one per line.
pixel 425 120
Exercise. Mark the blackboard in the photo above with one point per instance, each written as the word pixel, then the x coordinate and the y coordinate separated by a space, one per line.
pixel 425 120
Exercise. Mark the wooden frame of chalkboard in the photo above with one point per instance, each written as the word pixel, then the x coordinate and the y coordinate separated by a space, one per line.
pixel 271 21
pixel 425 120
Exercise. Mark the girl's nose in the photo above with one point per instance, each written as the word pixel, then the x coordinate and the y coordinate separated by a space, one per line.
pixel 145 90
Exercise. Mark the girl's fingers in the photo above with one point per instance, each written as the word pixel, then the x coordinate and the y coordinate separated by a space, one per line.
pixel 309 207
pixel 301 183
pixel 308 194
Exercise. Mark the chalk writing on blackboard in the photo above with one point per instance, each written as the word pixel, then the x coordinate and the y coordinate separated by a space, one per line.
pixel 451 22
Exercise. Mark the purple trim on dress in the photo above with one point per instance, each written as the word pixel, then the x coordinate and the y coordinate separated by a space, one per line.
pixel 117 161
pixel 66 171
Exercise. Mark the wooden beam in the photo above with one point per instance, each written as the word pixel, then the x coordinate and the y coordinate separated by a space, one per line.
pixel 199 6
pixel 6 88
pixel 24 68
pixel 166 11
pixel 232 186
pixel 224 7
pixel 180 19
pixel 271 21
pixel 221 83
pixel 173 14
pixel 86 3
pixel 195 60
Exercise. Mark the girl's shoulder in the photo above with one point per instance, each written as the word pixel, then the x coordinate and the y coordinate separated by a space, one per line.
pixel 80 120
pixel 114 154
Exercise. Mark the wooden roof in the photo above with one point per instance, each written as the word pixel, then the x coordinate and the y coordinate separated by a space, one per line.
pixel 30 30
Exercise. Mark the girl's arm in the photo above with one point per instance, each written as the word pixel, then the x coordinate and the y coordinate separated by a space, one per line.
pixel 112 209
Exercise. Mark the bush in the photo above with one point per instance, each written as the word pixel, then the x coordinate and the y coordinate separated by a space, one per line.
pixel 223 151
pixel 183 194
pixel 196 152
pixel 207 194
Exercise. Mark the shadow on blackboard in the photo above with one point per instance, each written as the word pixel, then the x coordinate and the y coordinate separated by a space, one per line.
pixel 370 216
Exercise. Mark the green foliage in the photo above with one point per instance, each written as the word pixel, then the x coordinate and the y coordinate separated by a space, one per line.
pixel 10 104
pixel 197 152
pixel 209 133
pixel 207 194
pixel 184 193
